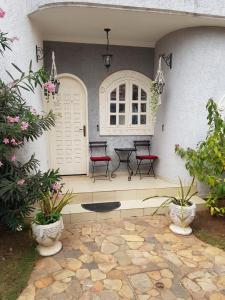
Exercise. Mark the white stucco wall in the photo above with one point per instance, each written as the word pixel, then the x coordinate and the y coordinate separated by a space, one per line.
pixel 201 7
pixel 198 73
pixel 16 23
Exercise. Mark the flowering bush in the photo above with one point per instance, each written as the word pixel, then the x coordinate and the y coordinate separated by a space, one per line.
pixel 21 184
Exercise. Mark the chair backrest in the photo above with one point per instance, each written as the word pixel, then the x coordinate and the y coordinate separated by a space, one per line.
pixel 142 146
pixel 97 147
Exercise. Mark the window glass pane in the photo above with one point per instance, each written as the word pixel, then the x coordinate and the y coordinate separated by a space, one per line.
pixel 122 108
pixel 121 120
pixel 112 120
pixel 143 95
pixel 134 107
pixel 122 89
pixel 135 92
pixel 143 107
pixel 143 119
pixel 112 107
pixel 113 95
pixel 135 119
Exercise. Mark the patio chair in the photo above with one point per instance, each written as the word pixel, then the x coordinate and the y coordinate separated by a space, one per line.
pixel 143 154
pixel 99 158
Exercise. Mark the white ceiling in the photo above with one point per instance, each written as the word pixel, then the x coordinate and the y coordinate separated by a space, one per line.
pixel 129 27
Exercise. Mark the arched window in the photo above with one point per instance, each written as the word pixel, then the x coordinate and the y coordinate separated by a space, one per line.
pixel 124 104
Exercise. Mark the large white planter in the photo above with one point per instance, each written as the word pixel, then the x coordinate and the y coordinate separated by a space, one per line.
pixel 181 217
pixel 47 237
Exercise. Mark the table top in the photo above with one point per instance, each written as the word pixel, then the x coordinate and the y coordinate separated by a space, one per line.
pixel 124 149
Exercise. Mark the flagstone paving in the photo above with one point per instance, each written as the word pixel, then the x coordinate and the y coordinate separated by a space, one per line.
pixel 136 258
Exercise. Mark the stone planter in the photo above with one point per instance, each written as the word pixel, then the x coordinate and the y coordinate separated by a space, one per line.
pixel 181 217
pixel 47 237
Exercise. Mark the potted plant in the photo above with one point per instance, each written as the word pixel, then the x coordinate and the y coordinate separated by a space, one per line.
pixel 181 210
pixel 48 223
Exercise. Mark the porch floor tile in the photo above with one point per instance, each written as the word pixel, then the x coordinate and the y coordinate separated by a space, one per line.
pixel 134 258
pixel 85 184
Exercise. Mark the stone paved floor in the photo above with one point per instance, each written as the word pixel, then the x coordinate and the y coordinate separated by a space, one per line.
pixel 137 258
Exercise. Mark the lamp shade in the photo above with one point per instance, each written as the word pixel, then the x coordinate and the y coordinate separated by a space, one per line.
pixel 107 59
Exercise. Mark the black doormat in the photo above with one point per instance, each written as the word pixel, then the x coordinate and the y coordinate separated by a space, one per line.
pixel 101 207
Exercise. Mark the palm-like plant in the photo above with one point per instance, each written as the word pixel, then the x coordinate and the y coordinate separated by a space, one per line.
pixel 182 199
pixel 51 205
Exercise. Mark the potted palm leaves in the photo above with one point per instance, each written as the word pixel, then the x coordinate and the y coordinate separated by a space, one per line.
pixel 48 223
pixel 182 210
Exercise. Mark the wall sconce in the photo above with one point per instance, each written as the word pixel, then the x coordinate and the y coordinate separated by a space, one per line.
pixel 167 59
pixel 107 57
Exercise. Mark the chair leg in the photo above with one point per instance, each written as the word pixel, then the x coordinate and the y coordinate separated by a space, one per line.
pixel 93 171
pixel 138 165
pixel 153 172
pixel 138 168
pixel 151 168
pixel 107 174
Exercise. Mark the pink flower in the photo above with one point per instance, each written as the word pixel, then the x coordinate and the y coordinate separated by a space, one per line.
pixel 56 186
pixel 177 146
pixel 13 158
pixel 49 86
pixel 16 119
pixel 14 143
pixel 1 164
pixel 24 125
pixel 2 13
pixel 33 111
pixel 20 182
pixel 12 120
pixel 6 141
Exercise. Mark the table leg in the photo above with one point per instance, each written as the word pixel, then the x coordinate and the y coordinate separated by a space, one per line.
pixel 112 174
pixel 129 169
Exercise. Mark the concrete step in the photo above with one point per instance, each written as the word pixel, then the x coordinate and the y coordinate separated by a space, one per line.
pixel 74 213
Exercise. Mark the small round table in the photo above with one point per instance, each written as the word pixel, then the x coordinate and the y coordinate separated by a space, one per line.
pixel 124 155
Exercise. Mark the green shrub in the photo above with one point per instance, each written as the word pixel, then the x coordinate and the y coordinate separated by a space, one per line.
pixel 207 161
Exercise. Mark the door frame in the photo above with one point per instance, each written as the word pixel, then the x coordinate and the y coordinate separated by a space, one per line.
pixel 86 118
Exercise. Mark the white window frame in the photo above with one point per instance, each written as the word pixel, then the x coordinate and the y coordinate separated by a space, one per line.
pixel 113 81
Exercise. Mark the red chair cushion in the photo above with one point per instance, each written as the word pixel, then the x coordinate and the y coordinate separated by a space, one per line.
pixel 100 158
pixel 142 157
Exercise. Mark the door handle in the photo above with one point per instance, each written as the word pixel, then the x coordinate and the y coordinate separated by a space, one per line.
pixel 84 130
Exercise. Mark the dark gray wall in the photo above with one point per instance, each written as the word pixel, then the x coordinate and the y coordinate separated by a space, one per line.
pixel 85 61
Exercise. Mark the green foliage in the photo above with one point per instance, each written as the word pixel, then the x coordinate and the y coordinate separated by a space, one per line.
pixel 21 184
pixel 4 42
pixel 17 201
pixel 51 204
pixel 183 198
pixel 207 161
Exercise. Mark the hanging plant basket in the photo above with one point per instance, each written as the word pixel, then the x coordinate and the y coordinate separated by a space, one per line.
pixel 157 88
pixel 51 87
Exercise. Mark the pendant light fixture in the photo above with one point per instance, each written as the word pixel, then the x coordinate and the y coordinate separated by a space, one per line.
pixel 107 57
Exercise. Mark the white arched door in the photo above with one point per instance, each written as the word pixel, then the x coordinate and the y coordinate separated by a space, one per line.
pixel 68 139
